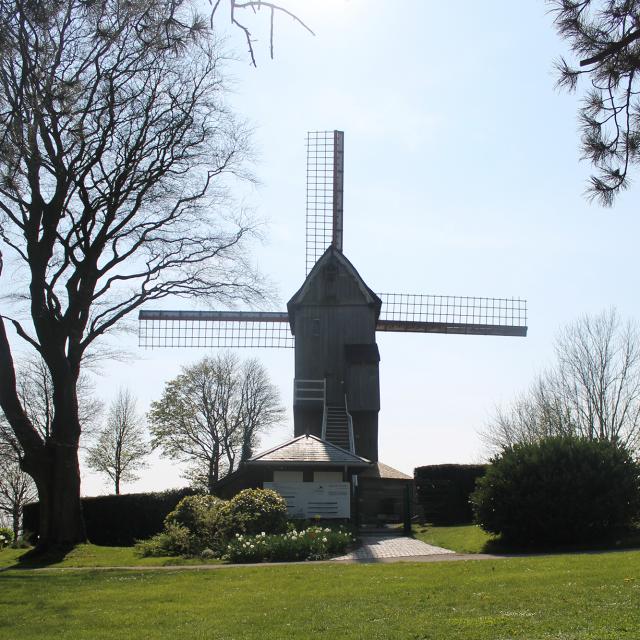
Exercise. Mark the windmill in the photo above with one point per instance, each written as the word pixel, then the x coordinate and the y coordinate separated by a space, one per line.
pixel 332 320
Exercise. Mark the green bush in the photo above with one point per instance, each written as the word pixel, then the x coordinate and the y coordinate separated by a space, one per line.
pixel 313 543
pixel 443 491
pixel 558 491
pixel 204 522
pixel 175 540
pixel 198 514
pixel 6 537
pixel 252 511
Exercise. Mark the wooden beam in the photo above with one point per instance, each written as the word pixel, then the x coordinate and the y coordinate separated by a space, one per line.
pixel 214 316
pixel 451 327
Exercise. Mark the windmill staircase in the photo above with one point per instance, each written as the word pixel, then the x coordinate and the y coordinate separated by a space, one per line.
pixel 337 427
pixel 337 424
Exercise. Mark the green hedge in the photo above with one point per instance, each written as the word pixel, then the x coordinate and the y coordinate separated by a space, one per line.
pixel 119 520
pixel 443 491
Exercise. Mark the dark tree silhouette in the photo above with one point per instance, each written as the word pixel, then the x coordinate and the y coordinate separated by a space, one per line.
pixel 114 144
pixel 255 6
pixel 604 35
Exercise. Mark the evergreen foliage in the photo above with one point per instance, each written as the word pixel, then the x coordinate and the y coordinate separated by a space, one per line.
pixel 560 490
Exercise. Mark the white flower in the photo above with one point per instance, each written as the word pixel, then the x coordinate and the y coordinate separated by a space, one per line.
pixel 263 534
pixel 252 546
pixel 324 539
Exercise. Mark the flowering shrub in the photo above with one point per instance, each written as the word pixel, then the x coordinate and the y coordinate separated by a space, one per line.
pixel 203 522
pixel 6 537
pixel 313 543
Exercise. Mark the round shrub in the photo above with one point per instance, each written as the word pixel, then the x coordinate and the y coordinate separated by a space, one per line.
pixel 196 513
pixel 6 537
pixel 253 511
pixel 558 491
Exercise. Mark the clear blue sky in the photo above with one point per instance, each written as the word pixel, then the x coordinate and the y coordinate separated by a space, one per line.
pixel 462 177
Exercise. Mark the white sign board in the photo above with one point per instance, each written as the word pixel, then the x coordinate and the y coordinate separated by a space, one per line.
pixel 311 499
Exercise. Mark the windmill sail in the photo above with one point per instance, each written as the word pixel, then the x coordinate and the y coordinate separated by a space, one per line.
pixel 227 329
pixel 325 179
pixel 452 314
pixel 400 312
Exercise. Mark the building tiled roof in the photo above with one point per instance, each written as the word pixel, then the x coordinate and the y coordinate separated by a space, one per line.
pixel 383 471
pixel 309 449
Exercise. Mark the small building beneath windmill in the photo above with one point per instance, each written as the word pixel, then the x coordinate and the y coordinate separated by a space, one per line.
pixel 315 477
pixel 321 480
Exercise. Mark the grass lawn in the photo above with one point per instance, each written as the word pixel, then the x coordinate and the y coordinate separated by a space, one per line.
pixel 89 555
pixel 565 597
pixel 471 538
pixel 468 538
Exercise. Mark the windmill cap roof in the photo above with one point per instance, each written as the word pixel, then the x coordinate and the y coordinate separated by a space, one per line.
pixel 332 255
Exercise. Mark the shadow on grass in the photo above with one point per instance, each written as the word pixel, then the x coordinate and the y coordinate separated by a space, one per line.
pixel 629 539
pixel 40 558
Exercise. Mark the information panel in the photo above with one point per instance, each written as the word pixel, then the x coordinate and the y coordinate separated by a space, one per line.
pixel 311 499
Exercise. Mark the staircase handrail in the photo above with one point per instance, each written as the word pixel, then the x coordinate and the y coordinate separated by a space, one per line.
pixel 324 418
pixel 352 446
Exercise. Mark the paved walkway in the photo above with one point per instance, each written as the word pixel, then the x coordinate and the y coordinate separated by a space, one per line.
pixel 379 547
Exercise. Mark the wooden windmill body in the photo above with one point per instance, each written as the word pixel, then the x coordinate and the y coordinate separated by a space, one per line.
pixel 332 321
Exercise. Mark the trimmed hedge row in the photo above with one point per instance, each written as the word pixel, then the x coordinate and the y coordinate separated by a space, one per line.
pixel 119 520
pixel 443 491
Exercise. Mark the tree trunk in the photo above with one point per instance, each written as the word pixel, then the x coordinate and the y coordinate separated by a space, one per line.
pixel 58 484
pixel 117 487
pixel 212 474
pixel 17 511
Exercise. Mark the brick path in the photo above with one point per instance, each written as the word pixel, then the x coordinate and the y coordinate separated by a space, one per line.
pixel 374 547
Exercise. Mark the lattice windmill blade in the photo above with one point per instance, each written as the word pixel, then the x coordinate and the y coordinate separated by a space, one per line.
pixel 227 329
pixel 405 312
pixel 325 180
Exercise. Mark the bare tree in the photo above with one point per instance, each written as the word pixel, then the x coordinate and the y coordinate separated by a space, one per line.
pixel 114 142
pixel 259 406
pixel 212 414
pixel 592 391
pixel 120 449
pixel 35 389
pixel 16 490
pixel 604 35
pixel 255 6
